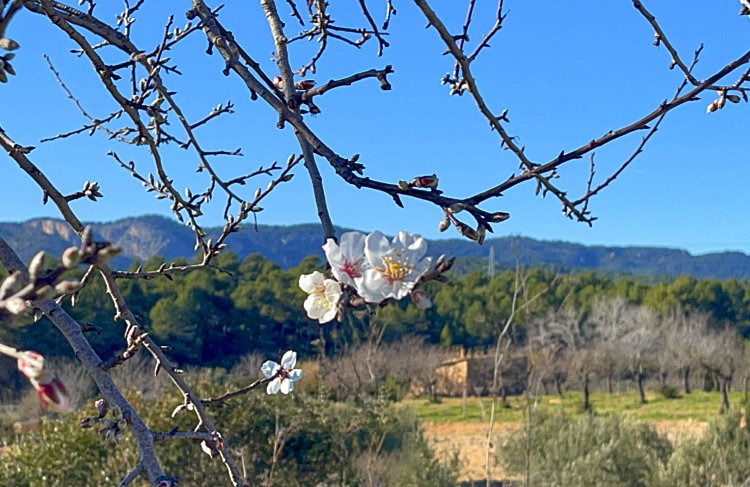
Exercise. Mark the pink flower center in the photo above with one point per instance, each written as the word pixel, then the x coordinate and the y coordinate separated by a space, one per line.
pixel 351 269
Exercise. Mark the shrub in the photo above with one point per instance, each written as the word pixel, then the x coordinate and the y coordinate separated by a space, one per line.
pixel 587 450
pixel 669 392
pixel 322 442
pixel 721 456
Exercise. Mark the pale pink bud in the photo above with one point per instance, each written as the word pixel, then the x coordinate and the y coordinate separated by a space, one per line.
pixel 500 216
pixel 101 407
pixel 424 181
pixel 457 207
pixel 444 224
pixel 278 82
pixel 67 286
pixel 71 257
pixel 15 305
pixel 31 364
pixel 218 440
pixel 304 85
pixel 53 396
pixel 481 232
pixel 421 299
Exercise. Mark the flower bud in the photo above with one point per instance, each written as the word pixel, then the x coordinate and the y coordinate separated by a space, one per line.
pixel 54 396
pixel 733 98
pixel 71 257
pixel 403 185
pixel 31 364
pixel 67 286
pixel 500 216
pixel 424 181
pixel 8 44
pixel 457 207
pixel 11 284
pixel 101 407
pixel 87 422
pixel 444 224
pixel 481 232
pixel 421 299
pixel 15 305
pixel 304 85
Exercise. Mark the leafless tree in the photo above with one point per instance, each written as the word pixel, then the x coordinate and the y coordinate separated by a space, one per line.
pixel 682 335
pixel 575 336
pixel 721 354
pixel 146 116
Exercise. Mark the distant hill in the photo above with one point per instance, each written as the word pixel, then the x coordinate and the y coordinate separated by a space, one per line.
pixel 147 236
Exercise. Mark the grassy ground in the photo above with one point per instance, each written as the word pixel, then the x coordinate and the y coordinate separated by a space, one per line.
pixel 698 406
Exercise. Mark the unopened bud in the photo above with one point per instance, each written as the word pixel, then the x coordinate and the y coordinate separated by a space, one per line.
pixel 278 82
pixel 11 284
pixel 424 181
pixel 54 396
pixel 31 364
pixel 101 407
pixel 733 98
pixel 67 286
pixel 499 216
pixel 35 266
pixel 87 422
pixel 71 257
pixel 403 185
pixel 467 231
pixel 481 232
pixel 15 305
pixel 444 224
pixel 457 207
pixel 107 253
pixel 421 299
pixel 8 44
pixel 304 85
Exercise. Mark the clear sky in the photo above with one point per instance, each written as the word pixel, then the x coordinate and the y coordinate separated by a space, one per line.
pixel 567 71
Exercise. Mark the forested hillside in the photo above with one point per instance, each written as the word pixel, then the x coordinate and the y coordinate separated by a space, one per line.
pixel 148 236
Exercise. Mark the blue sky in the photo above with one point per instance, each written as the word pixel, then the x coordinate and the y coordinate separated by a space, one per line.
pixel 567 71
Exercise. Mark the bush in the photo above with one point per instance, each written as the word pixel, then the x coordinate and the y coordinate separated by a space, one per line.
pixel 669 392
pixel 721 456
pixel 588 450
pixel 321 442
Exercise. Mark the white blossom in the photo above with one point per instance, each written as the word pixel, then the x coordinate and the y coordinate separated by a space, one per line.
pixel 284 375
pixel 395 266
pixel 347 258
pixel 324 295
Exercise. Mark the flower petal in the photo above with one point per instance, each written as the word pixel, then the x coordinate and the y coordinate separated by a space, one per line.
pixel 310 282
pixel 289 360
pixel 295 375
pixel 273 386
pixel 286 386
pixel 269 368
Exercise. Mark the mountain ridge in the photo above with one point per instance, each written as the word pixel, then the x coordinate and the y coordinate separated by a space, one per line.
pixel 152 235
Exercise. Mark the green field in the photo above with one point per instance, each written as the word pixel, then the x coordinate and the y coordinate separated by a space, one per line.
pixel 698 405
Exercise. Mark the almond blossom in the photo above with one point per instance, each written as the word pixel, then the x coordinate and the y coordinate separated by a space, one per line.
pixel 347 258
pixel 51 391
pixel 396 266
pixel 324 295
pixel 284 375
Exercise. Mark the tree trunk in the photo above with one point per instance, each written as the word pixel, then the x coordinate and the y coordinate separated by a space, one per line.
pixel 586 398
pixel 558 386
pixel 686 379
pixel 609 383
pixel 639 377
pixel 725 381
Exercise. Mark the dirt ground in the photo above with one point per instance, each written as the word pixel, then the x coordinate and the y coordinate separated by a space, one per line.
pixel 470 441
